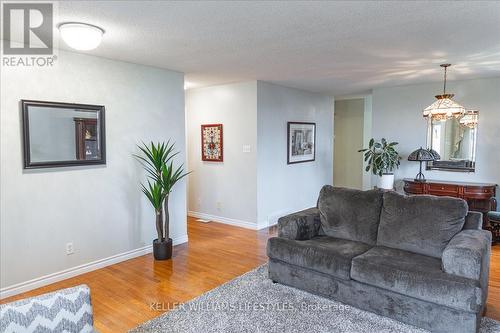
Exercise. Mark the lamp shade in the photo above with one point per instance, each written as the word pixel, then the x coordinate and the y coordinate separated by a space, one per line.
pixel 435 154
pixel 421 154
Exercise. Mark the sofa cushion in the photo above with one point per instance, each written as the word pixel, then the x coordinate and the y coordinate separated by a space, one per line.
pixel 417 276
pixel 422 224
pixel 350 214
pixel 322 253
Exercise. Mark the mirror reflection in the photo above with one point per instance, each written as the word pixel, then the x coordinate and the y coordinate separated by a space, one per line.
pixel 454 139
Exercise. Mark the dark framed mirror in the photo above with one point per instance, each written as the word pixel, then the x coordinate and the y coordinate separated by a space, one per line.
pixel 62 134
pixel 455 140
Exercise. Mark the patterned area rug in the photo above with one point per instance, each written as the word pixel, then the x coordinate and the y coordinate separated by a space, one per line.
pixel 252 303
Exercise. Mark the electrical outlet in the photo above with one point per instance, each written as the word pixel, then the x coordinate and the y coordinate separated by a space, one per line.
pixel 69 249
pixel 219 205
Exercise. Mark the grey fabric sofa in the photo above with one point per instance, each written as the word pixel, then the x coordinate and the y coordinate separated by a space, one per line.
pixel 422 260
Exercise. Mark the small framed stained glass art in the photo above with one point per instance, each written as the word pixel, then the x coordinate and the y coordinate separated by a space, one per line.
pixel 212 149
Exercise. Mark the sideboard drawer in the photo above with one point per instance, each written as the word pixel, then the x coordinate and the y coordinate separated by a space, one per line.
pixel 443 189
pixel 414 188
pixel 479 190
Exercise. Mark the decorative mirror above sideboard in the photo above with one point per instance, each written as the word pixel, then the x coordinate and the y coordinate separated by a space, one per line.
pixel 455 140
pixel 451 133
pixel 62 134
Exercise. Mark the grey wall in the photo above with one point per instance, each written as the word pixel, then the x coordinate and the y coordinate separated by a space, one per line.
pixel 397 115
pixel 254 185
pixel 100 209
pixel 224 189
pixel 286 188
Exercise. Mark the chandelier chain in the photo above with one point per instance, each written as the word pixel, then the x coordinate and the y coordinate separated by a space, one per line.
pixel 444 86
pixel 445 66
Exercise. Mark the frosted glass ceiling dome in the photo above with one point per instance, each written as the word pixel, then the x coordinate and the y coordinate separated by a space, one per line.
pixel 81 36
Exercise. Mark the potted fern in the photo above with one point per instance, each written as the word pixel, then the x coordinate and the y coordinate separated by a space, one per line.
pixel 162 176
pixel 382 159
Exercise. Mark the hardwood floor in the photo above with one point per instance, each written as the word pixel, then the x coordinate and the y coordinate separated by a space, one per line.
pixel 493 305
pixel 131 292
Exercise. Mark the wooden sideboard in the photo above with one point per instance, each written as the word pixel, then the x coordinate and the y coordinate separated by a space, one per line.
pixel 479 196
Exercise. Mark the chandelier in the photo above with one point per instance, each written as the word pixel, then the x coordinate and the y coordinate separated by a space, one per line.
pixel 469 119
pixel 444 108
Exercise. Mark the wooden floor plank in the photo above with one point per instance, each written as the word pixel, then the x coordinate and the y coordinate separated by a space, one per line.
pixel 123 294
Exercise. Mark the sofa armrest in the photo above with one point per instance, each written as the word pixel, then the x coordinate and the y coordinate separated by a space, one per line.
pixel 301 225
pixel 468 255
pixel 473 220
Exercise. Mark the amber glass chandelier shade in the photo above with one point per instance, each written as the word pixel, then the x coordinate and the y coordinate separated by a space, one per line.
pixel 469 119
pixel 444 108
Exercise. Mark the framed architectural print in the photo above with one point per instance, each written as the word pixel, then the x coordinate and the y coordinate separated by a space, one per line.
pixel 301 142
pixel 212 149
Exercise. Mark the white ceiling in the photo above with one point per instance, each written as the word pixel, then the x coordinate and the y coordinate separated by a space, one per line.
pixel 337 47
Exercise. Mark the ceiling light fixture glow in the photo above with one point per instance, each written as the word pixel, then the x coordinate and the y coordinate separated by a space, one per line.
pixel 81 36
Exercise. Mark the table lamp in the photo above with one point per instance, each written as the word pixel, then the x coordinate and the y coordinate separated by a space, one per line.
pixel 422 155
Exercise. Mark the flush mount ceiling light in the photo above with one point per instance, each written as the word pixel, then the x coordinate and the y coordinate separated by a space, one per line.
pixel 444 108
pixel 81 36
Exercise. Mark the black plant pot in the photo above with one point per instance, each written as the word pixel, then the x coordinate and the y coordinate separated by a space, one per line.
pixel 162 250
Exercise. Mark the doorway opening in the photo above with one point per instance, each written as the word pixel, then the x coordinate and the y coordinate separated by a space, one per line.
pixel 352 130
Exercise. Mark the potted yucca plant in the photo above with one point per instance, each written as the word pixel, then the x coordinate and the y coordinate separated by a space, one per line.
pixel 162 176
pixel 382 158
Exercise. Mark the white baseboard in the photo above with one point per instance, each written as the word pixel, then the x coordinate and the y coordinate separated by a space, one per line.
pixel 226 220
pixel 77 270
pixel 271 219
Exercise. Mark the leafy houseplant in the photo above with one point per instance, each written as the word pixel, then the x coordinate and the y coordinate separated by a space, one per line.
pixel 162 176
pixel 382 159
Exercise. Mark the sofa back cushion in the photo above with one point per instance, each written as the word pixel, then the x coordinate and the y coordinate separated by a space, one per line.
pixel 421 224
pixel 350 214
